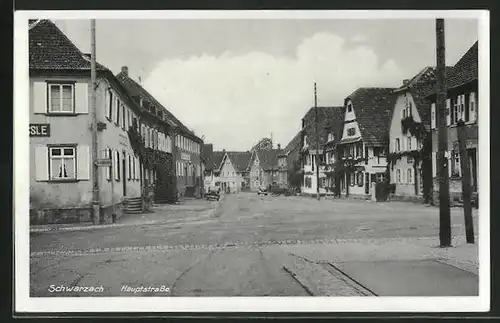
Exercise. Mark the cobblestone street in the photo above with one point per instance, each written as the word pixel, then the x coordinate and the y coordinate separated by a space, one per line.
pixel 249 245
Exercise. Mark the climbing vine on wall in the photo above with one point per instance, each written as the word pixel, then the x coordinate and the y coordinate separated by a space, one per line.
pixel 416 129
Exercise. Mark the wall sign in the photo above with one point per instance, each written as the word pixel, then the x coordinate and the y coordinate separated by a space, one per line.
pixel 185 156
pixel 39 130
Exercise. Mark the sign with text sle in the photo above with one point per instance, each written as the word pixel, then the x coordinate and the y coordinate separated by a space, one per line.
pixel 39 130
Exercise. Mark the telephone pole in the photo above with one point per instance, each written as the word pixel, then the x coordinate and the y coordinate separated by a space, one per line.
pixel 317 142
pixel 95 168
pixel 442 161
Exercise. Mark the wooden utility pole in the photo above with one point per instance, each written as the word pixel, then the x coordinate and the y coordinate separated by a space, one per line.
pixel 95 168
pixel 442 161
pixel 466 187
pixel 317 143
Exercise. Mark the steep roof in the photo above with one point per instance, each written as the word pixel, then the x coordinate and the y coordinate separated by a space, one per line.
pixel 465 70
pixel 373 109
pixel 216 160
pixel 292 145
pixel 137 91
pixel 239 159
pixel 329 119
pixel 50 49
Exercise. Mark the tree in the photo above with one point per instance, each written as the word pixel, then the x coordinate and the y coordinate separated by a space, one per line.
pixel 295 175
pixel 263 144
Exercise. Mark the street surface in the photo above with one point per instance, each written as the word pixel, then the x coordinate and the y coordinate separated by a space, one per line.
pixel 249 245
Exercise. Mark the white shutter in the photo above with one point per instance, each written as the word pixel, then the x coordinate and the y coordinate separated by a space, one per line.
pixel 472 107
pixel 40 97
pixel 114 108
pixel 83 162
pixel 115 164
pixel 41 163
pixel 81 98
pixel 448 112
pixel 106 103
pixel 134 168
pixel 433 116
pixel 109 169
pixel 434 165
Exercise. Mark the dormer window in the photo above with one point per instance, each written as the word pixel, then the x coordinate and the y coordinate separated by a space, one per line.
pixel 331 137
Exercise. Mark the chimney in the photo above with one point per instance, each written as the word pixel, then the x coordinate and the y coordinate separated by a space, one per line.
pixel 125 70
pixel 406 81
pixel 279 146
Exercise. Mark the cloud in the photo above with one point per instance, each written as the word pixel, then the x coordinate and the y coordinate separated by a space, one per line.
pixel 234 100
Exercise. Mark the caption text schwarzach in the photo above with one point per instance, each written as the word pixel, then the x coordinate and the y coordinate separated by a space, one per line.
pixel 100 289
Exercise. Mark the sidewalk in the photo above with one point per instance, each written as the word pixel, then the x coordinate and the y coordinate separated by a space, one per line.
pixel 389 267
pixel 188 209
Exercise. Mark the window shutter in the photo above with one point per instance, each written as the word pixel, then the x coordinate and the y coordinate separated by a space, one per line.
pixel 129 167
pixel 41 162
pixel 448 112
pixel 472 107
pixel 83 162
pixel 40 97
pixel 81 98
pixel 434 165
pixel 433 116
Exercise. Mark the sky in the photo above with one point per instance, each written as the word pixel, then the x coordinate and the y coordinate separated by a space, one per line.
pixel 237 81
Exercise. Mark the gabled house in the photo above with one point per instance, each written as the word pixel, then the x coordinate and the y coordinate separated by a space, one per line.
pixel 212 161
pixel 462 103
pixel 333 134
pixel 289 164
pixel 60 138
pixel 263 168
pixel 181 173
pixel 410 142
pixel 363 146
pixel 233 171
pixel 313 145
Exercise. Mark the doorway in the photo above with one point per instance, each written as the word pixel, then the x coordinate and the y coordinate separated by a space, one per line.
pixel 367 183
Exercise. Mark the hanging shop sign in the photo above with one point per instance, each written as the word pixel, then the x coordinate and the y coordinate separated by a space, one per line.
pixel 39 130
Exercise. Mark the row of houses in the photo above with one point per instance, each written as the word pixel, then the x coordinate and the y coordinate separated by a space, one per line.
pixel 388 134
pixel 153 154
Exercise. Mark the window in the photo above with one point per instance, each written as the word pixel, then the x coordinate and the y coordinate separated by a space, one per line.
pixel 110 108
pixel 397 145
pixel 351 179
pixel 351 131
pixel 409 143
pixel 349 107
pixel 351 151
pixel 409 176
pixel 472 107
pixel 118 108
pixel 124 116
pixel 398 176
pixel 61 98
pixel 62 163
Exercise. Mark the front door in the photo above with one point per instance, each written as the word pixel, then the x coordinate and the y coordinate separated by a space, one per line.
pixel 124 176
